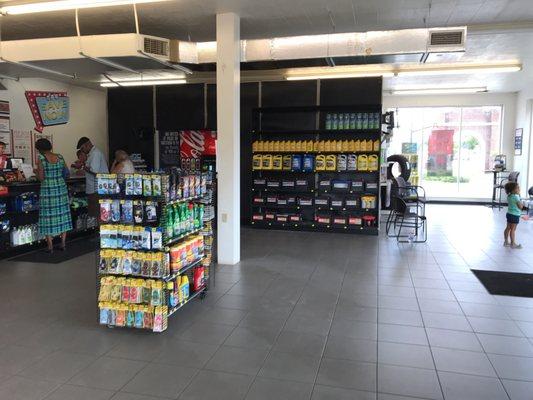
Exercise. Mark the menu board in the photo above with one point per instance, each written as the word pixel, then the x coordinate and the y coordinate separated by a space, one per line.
pixel 169 149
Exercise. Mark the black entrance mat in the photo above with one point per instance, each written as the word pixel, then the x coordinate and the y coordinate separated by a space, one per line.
pixel 75 248
pixel 506 283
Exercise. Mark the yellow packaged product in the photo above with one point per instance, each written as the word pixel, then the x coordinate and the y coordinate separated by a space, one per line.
pixel 362 162
pixel 299 146
pixel 315 146
pixel 351 145
pixel 270 146
pixel 257 162
pixel 254 146
pixel 320 162
pixel 309 146
pixel 260 146
pixel 369 145
pixel 267 161
pixel 373 162
pixel 357 145
pixel 345 146
pixel 376 145
pixel 331 162
pixel 276 146
pixel 327 146
pixel 287 162
pixel 321 146
pixel 338 146
pixel 282 146
pixel 362 145
pixel 277 162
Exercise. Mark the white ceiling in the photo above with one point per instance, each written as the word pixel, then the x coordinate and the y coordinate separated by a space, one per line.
pixel 498 29
pixel 195 19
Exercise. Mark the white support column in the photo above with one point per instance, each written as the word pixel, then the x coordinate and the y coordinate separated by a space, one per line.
pixel 228 143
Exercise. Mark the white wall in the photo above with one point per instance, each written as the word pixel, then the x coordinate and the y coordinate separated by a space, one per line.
pixel 88 114
pixel 524 114
pixel 507 100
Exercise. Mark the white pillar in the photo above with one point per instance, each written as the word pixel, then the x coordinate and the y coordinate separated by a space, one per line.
pixel 228 143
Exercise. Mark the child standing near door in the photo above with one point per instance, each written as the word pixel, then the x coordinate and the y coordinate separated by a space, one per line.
pixel 514 205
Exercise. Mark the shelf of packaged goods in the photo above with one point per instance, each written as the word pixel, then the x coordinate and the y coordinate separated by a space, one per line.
pixel 122 196
pixel 285 171
pixel 284 190
pixel 185 200
pixel 313 172
pixel 279 206
pixel 191 297
pixel 288 153
pixel 176 239
pixel 346 209
pixel 314 226
pixel 375 131
pixel 181 271
pixel 167 278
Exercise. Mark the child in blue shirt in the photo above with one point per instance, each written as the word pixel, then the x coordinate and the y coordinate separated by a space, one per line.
pixel 514 205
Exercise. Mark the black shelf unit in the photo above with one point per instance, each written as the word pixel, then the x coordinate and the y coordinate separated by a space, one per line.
pixel 278 127
pixel 76 188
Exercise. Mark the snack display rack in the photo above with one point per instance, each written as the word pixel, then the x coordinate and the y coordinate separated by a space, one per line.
pixel 321 179
pixel 152 255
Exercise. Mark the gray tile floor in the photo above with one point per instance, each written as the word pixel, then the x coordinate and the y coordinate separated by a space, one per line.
pixel 304 316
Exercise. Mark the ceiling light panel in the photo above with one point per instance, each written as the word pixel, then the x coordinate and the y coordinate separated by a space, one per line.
pixel 66 5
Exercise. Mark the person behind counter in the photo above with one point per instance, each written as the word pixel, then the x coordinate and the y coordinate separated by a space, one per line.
pixel 122 163
pixel 77 166
pixel 5 162
pixel 96 164
pixel 54 209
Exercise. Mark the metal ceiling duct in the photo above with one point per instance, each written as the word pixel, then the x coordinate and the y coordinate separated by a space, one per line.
pixel 405 41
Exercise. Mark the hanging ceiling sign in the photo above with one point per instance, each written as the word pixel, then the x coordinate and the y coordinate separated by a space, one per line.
pixel 48 108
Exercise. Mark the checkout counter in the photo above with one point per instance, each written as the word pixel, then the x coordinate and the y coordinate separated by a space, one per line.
pixel 19 212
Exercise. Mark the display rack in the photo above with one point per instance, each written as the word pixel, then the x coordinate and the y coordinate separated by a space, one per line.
pixel 323 179
pixel 19 216
pixel 152 254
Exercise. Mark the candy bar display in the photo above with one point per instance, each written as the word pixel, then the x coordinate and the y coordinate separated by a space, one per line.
pixel 151 255
pixel 323 179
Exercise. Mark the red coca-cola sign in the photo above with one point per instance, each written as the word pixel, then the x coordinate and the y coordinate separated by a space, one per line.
pixel 194 144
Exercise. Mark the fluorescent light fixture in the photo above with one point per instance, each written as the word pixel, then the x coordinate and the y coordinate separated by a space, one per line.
pixel 143 83
pixel 443 90
pixel 338 76
pixel 66 5
pixel 457 70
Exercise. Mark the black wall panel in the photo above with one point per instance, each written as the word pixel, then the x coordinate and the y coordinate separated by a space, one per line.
pixel 357 91
pixel 290 93
pixel 180 107
pixel 130 121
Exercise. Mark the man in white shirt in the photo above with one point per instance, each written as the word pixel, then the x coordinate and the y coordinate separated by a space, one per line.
pixel 95 164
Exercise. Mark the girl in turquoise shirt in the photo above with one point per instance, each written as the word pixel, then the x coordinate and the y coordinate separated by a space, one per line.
pixel 514 205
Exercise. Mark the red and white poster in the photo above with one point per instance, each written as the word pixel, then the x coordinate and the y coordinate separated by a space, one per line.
pixel 198 143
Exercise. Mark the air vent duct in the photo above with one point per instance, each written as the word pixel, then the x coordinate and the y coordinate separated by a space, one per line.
pixel 156 47
pixel 447 39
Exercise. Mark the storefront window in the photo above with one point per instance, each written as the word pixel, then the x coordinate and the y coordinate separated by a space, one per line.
pixel 451 147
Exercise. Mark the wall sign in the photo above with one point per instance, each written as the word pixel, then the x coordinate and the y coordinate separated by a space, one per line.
pixel 518 136
pixel 409 148
pixel 5 126
pixel 22 145
pixel 194 144
pixel 48 108
pixel 169 149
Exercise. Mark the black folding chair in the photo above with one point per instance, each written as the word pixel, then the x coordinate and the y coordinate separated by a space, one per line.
pixel 407 215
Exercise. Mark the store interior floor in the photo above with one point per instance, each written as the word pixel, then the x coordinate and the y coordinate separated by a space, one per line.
pixel 304 316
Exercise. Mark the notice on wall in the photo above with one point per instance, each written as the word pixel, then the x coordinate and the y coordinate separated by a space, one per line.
pixel 22 145
pixel 48 108
pixel 169 149
pixel 518 137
